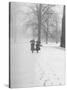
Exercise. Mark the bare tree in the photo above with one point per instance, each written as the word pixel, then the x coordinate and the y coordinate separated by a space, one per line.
pixel 40 17
pixel 53 23
pixel 63 29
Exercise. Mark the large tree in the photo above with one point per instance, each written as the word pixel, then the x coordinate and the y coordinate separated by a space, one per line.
pixel 39 19
pixel 63 29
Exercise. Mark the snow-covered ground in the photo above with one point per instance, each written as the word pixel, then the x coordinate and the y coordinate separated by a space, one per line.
pixel 51 44
pixel 38 69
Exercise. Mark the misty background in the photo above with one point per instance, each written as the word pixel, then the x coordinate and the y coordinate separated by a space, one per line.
pixel 24 22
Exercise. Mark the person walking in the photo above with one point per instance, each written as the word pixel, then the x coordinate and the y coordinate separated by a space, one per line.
pixel 37 46
pixel 32 45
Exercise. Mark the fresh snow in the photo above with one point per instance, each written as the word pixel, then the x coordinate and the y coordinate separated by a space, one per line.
pixel 36 69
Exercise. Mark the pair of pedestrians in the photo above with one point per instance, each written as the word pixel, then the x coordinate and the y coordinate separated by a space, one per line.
pixel 35 45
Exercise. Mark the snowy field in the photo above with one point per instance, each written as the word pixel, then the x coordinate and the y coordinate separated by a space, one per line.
pixel 45 68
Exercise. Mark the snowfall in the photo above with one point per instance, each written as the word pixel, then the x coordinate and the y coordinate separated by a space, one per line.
pixel 46 68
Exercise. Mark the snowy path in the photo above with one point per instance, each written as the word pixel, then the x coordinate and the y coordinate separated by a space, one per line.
pixel 51 66
pixel 42 69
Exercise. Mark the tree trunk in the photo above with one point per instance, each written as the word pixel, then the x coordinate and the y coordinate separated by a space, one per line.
pixel 39 23
pixel 63 29
pixel 56 32
pixel 47 30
